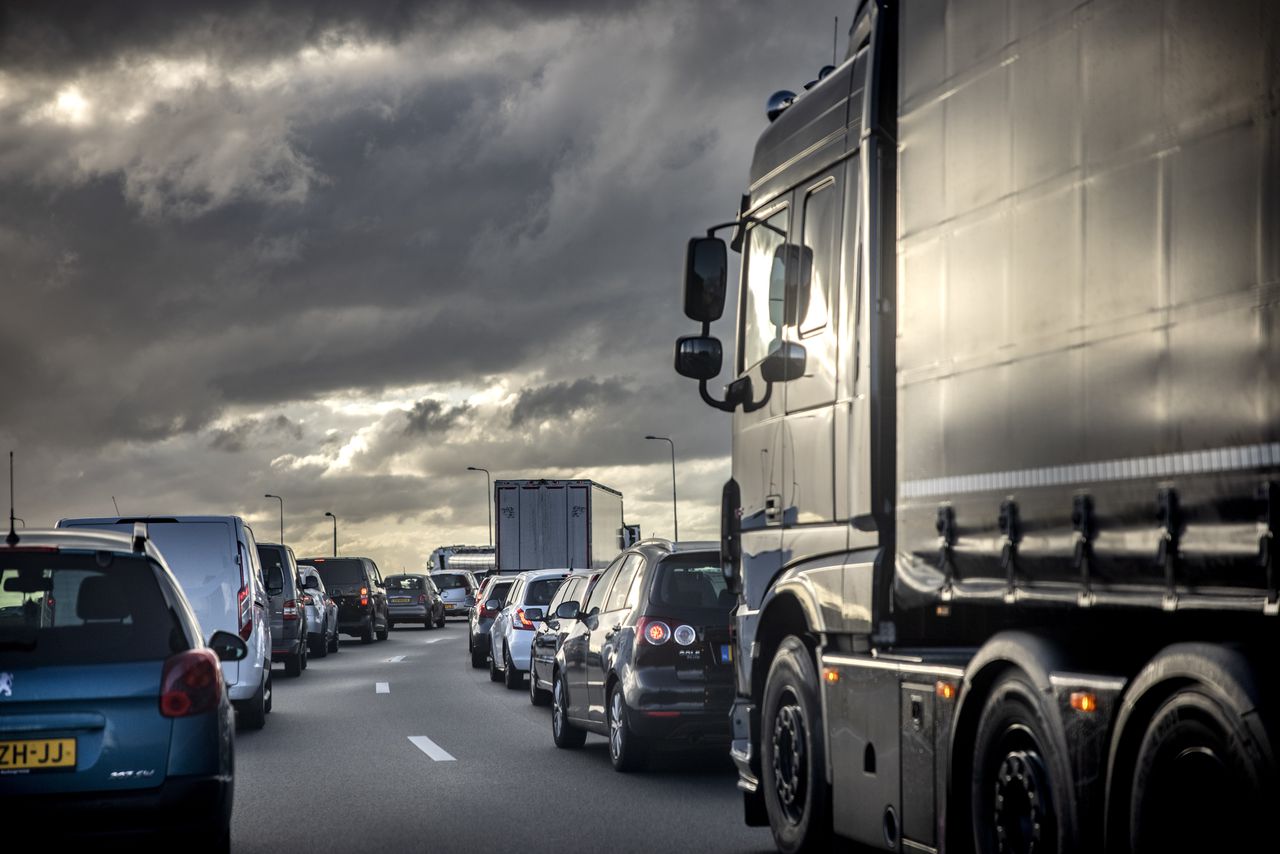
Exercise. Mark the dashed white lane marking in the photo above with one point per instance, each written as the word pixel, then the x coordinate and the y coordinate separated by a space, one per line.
pixel 429 747
pixel 382 687
pixel 434 640
pixel 396 658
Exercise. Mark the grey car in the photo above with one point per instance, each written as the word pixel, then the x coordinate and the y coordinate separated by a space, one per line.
pixel 481 618
pixel 457 589
pixel 322 613
pixel 414 599
pixel 286 609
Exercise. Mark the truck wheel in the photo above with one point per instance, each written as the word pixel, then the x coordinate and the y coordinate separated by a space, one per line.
pixel 565 734
pixel 1019 778
pixel 793 753
pixel 1198 780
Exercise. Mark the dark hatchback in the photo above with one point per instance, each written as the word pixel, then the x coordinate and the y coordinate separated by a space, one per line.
pixel 647 661
pixel 356 585
pixel 551 631
pixel 414 599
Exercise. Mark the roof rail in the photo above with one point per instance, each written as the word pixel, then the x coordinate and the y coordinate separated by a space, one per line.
pixel 140 537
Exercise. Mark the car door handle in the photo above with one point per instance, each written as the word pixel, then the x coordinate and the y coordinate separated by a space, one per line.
pixel 772 508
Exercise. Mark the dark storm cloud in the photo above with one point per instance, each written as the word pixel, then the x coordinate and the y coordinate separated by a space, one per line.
pixel 431 416
pixel 559 400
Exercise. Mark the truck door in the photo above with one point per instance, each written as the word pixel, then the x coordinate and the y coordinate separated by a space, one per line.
pixel 757 436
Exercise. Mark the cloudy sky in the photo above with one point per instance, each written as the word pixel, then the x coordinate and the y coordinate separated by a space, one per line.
pixel 340 251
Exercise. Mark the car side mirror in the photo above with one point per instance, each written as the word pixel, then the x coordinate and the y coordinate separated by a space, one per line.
pixel 785 362
pixel 493 605
pixel 228 647
pixel 706 274
pixel 698 357
pixel 567 611
pixel 533 615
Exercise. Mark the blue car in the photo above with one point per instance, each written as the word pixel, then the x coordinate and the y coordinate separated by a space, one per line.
pixel 114 718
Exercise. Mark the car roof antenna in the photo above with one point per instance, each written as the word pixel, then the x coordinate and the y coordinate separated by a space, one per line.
pixel 12 539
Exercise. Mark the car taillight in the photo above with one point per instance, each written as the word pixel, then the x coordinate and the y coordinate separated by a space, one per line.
pixel 653 631
pixel 522 622
pixel 291 609
pixel 422 598
pixel 246 612
pixel 190 684
pixel 364 597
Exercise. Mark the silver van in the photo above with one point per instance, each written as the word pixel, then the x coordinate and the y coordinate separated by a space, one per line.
pixel 215 559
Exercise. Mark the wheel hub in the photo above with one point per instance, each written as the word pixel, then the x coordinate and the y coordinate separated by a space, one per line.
pixel 1021 808
pixel 789 760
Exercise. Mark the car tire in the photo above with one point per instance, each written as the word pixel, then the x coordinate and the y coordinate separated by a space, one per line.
pixel 293 665
pixel 253 714
pixel 494 674
pixel 477 658
pixel 333 642
pixel 384 632
pixel 627 751
pixel 304 654
pixel 537 696
pixel 510 675
pixel 563 732
pixel 366 632
pixel 321 649
pixel 440 622
pixel 796 794
pixel 271 694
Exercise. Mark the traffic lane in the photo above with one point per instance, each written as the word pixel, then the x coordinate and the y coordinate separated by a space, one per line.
pixel 337 745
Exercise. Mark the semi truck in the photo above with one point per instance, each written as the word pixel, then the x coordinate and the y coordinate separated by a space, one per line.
pixel 1006 432
pixel 557 524
pixel 478 560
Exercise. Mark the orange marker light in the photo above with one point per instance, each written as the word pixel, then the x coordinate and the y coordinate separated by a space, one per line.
pixel 830 675
pixel 945 690
pixel 1084 701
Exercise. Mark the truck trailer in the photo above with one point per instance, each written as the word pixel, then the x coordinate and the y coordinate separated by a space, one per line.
pixel 1006 432
pixel 557 524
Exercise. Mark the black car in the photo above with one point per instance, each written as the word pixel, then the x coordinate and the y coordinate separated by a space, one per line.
pixel 356 585
pixel 551 632
pixel 481 618
pixel 414 598
pixel 647 660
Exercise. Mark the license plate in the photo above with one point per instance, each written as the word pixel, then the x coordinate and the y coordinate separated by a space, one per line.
pixel 39 754
pixel 401 600
pixel 448 607
pixel 726 653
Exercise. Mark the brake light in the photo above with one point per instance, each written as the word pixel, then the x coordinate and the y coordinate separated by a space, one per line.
pixel 364 596
pixel 190 684
pixel 246 612
pixel 422 598
pixel 654 632
pixel 522 622
pixel 291 609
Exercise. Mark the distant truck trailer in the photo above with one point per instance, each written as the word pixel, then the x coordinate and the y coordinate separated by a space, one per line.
pixel 550 524
pixel 478 560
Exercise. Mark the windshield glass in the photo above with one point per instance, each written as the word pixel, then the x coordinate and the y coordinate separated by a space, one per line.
pixel 451 581
pixel 691 584
pixel 404 582
pixel 83 609
pixel 340 570
pixel 540 592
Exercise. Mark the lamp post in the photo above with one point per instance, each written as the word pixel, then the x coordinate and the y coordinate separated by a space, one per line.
pixel 335 531
pixel 281 500
pixel 488 499
pixel 675 512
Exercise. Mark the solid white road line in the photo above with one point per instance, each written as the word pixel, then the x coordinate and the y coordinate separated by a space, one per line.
pixel 396 658
pixel 429 747
pixel 382 687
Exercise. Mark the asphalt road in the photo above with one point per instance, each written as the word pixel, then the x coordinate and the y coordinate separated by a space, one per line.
pixel 424 753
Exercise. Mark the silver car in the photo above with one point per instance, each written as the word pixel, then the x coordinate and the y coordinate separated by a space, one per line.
pixel 322 613
pixel 457 589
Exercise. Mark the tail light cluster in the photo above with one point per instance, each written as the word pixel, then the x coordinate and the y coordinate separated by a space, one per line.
pixel 290 609
pixel 245 611
pixel 190 684
pixel 422 598
pixel 522 621
pixel 364 597
pixel 656 631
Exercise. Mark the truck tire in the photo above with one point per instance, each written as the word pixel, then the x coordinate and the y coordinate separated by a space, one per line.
pixel 1019 780
pixel 793 752
pixel 1199 783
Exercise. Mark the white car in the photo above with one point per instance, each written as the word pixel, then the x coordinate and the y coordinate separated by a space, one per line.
pixel 511 635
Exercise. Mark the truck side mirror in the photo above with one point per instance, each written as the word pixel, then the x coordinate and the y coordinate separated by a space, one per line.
pixel 785 362
pixel 706 275
pixel 698 357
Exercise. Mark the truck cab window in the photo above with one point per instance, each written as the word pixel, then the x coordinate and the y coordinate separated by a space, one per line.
pixel 821 232
pixel 765 292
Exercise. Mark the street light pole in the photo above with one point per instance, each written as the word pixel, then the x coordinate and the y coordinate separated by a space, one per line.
pixel 335 531
pixel 488 500
pixel 675 512
pixel 281 500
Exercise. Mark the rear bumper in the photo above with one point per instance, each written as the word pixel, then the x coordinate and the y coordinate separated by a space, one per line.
pixel 282 648
pixel 408 613
pixel 661 705
pixel 355 624
pixel 178 804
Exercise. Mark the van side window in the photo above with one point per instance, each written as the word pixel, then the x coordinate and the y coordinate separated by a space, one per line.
pixel 763 310
pixel 821 240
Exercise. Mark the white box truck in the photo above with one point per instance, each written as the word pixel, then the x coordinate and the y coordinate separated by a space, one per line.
pixel 553 524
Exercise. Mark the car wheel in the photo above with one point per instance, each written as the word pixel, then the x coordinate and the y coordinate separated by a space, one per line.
pixel 626 749
pixel 494 674
pixel 321 649
pixel 477 657
pixel 304 654
pixel 440 622
pixel 565 734
pixel 794 779
pixel 253 714
pixel 537 696
pixel 271 694
pixel 384 631
pixel 510 676
pixel 366 632
pixel 334 641
pixel 293 665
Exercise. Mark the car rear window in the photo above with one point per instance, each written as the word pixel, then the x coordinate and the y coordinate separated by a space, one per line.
pixel 691 584
pixel 451 581
pixel 404 582
pixel 540 592
pixel 499 591
pixel 339 570
pixel 83 608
